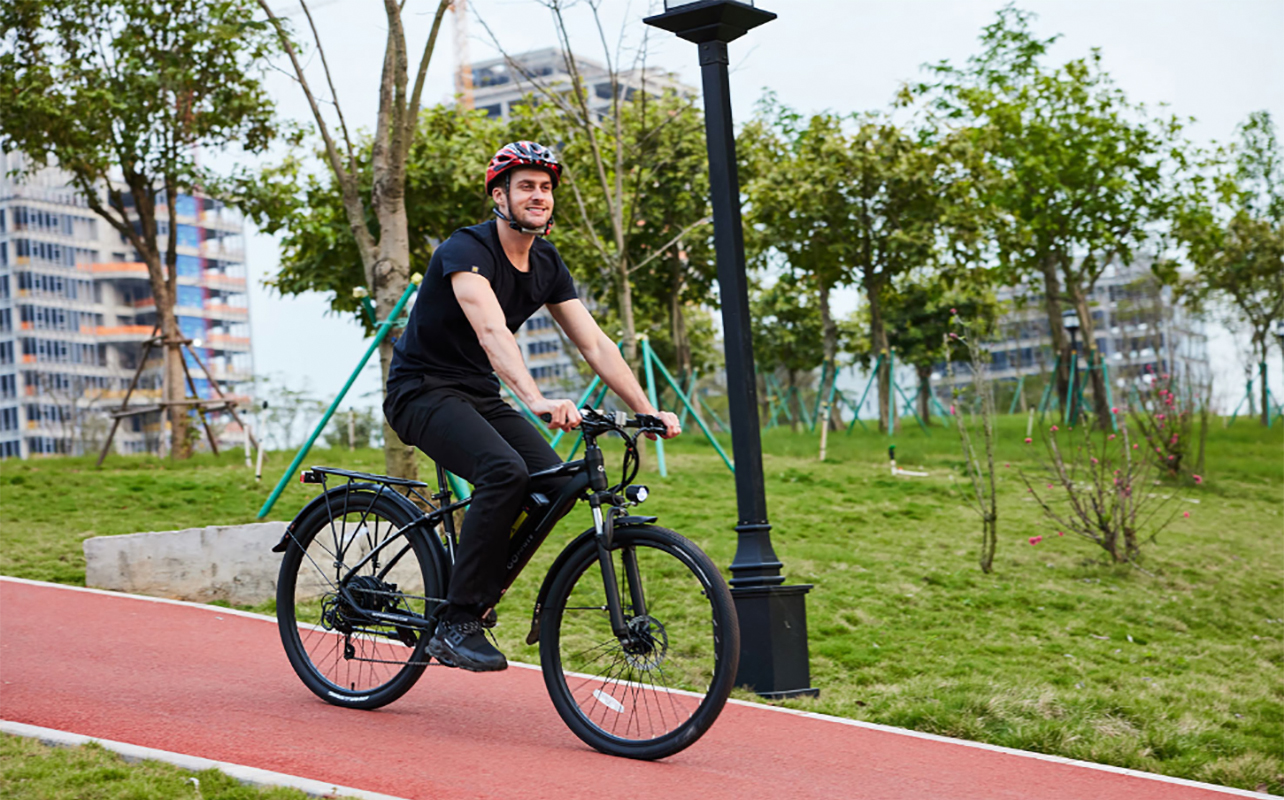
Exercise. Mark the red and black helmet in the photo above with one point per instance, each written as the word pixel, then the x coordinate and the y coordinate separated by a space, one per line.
pixel 522 154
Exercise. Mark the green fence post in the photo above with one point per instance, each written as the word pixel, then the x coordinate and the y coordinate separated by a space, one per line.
pixel 1016 396
pixel 648 355
pixel 682 397
pixel 873 376
pixel 703 404
pixel 380 333
pixel 891 393
pixel 910 404
pixel 820 390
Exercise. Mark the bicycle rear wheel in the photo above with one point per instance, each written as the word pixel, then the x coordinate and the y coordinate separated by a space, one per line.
pixel 658 691
pixel 324 608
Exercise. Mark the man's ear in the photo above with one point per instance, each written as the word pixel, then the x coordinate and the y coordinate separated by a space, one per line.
pixel 496 193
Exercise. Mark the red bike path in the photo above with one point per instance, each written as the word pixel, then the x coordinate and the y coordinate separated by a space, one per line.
pixel 202 681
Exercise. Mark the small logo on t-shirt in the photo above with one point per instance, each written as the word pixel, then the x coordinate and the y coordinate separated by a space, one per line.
pixel 474 269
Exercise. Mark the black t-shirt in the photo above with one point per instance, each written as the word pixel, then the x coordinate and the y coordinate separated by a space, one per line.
pixel 439 342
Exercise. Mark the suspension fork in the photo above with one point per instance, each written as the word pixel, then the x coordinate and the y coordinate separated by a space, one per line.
pixel 604 526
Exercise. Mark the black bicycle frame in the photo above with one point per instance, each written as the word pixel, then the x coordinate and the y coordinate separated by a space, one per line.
pixel 585 479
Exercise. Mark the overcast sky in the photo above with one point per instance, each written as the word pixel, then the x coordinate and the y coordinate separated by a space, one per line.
pixel 1214 60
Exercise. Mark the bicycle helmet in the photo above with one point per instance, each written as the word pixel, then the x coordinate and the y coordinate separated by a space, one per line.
pixel 522 154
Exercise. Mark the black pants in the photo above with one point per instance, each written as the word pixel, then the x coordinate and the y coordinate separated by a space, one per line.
pixel 483 440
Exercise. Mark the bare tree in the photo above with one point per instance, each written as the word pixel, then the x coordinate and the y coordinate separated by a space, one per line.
pixel 622 158
pixel 385 247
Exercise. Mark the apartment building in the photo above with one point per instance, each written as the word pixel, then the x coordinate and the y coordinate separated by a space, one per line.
pixel 1137 328
pixel 76 307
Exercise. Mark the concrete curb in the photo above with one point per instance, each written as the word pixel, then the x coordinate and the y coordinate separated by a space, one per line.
pixel 249 775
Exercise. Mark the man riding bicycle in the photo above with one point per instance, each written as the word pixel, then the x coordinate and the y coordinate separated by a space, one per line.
pixel 442 396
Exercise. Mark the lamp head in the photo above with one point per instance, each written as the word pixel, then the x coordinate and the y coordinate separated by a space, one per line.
pixel 702 21
pixel 1070 320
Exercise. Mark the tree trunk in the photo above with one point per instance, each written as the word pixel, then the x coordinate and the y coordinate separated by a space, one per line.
pixel 924 392
pixel 1101 407
pixel 878 333
pixel 391 276
pixel 1060 341
pixel 625 298
pixel 677 317
pixel 829 334
pixel 1261 375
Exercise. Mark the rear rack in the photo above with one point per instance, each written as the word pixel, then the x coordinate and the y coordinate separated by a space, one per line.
pixel 309 477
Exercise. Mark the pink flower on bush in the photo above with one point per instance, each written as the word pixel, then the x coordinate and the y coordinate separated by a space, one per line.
pixel 1186 514
pixel 1094 460
pixel 1112 437
pixel 1007 465
pixel 1114 411
pixel 1198 480
pixel 1035 539
pixel 953 335
pixel 1028 440
pixel 1170 458
pixel 1164 376
pixel 1049 486
pixel 1134 447
pixel 1061 533
pixel 954 311
pixel 1055 429
pixel 952 410
pixel 1159 416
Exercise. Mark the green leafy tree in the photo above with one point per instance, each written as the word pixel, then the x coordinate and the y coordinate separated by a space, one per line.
pixel 787 323
pixel 920 317
pixel 134 89
pixel 444 191
pixel 852 201
pixel 1232 227
pixel 375 212
pixel 1078 178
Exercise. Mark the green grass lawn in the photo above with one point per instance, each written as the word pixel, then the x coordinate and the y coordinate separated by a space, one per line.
pixel 30 770
pixel 1180 672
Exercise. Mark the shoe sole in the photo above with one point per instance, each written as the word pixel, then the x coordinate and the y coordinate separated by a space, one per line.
pixel 451 659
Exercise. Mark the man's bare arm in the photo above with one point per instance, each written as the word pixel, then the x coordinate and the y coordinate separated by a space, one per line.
pixel 605 359
pixel 481 307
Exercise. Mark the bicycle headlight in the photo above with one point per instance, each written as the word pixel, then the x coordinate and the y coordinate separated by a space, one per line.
pixel 636 494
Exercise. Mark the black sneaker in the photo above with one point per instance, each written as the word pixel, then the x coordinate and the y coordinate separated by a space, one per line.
pixel 463 645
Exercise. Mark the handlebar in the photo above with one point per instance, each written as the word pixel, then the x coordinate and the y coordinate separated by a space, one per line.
pixel 603 421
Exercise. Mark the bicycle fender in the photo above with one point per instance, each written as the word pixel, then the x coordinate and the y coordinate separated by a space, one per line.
pixel 560 563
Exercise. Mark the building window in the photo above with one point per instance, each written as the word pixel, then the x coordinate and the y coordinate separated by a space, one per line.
pixel 8 387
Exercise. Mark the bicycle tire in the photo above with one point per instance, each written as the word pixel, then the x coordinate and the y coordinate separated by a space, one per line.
pixel 595 699
pixel 342 657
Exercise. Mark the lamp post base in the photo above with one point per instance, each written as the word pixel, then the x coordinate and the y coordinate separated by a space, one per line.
pixel 773 640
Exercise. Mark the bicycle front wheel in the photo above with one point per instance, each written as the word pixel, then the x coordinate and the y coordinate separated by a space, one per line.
pixel 347 570
pixel 655 691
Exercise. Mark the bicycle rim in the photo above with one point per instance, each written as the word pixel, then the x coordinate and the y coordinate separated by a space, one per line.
pixel 656 695
pixel 342 652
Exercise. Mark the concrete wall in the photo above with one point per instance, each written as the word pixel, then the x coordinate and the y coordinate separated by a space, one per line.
pixel 221 562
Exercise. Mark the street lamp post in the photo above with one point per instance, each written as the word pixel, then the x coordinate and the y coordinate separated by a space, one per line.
pixel 773 617
pixel 1070 321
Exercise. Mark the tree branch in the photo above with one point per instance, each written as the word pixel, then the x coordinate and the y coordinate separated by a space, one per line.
pixel 660 251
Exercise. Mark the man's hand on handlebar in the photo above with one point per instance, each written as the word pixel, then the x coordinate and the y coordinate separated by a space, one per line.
pixel 670 421
pixel 559 414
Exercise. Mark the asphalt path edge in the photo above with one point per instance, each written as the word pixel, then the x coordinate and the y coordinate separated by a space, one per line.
pixel 208 764
pixel 249 775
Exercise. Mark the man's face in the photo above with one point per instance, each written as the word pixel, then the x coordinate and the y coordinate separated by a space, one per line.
pixel 529 201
